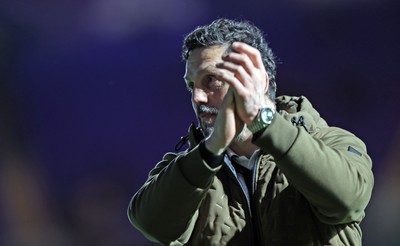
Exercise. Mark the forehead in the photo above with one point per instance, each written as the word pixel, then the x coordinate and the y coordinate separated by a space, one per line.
pixel 201 59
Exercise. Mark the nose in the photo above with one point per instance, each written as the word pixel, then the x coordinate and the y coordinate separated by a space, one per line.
pixel 199 96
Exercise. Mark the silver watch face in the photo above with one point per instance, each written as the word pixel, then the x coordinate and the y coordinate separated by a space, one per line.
pixel 266 115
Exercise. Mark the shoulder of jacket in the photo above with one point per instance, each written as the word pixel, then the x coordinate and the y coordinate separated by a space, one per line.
pixel 299 111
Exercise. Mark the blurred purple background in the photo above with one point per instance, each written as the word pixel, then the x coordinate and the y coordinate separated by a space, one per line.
pixel 92 96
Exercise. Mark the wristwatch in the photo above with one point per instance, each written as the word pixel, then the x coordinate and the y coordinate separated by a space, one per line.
pixel 263 120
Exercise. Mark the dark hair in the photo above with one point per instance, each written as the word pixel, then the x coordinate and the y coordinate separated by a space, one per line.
pixel 224 31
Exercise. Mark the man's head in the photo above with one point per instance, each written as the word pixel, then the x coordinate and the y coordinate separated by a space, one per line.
pixel 225 32
pixel 203 50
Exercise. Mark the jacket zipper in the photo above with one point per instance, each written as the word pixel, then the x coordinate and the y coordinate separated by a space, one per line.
pixel 250 197
pixel 233 171
pixel 255 219
pixel 246 197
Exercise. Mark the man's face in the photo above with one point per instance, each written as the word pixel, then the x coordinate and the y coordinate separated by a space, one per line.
pixel 207 92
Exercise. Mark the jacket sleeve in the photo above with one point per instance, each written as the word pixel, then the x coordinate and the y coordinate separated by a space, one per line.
pixel 330 168
pixel 164 209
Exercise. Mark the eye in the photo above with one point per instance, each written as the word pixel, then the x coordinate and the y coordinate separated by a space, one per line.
pixel 214 84
pixel 189 87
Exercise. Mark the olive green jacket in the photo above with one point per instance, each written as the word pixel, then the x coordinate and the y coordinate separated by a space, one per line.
pixel 311 184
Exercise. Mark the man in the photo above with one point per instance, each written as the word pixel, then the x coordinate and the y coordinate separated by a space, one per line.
pixel 259 170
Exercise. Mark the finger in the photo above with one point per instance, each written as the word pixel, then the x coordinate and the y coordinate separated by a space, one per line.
pixel 236 69
pixel 228 99
pixel 253 53
pixel 230 78
pixel 224 127
pixel 240 59
pixel 226 114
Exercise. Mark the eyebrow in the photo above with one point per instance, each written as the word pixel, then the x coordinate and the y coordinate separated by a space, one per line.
pixel 207 70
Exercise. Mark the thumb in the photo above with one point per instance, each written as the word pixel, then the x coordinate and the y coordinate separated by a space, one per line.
pixel 228 102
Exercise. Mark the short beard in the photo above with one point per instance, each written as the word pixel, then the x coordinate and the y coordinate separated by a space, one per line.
pixel 206 109
pixel 207 126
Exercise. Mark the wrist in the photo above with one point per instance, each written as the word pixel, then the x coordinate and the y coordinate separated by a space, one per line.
pixel 262 120
pixel 210 158
pixel 211 145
